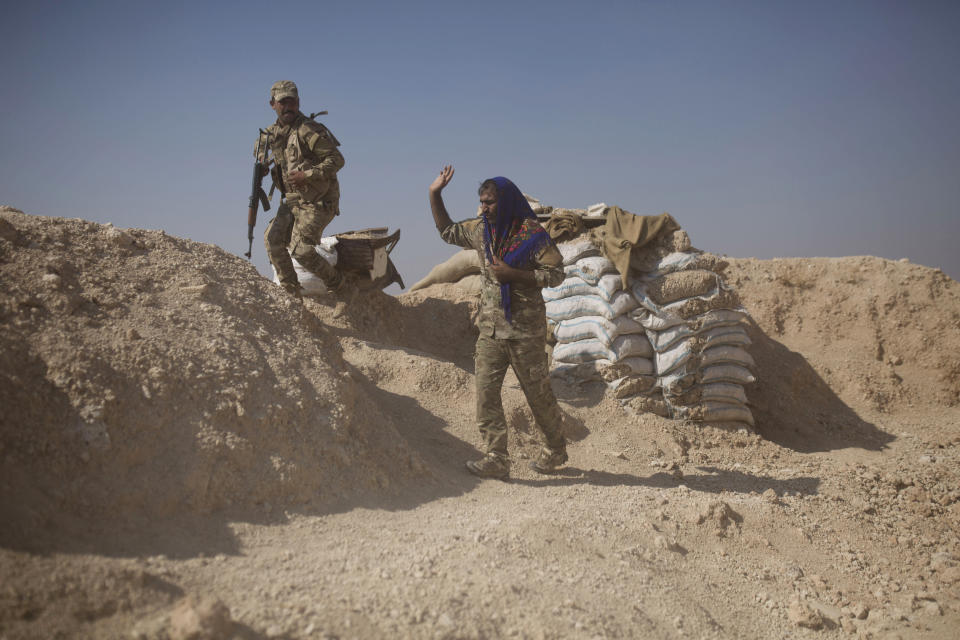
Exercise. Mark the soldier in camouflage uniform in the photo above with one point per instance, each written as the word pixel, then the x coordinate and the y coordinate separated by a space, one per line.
pixel 512 318
pixel 309 160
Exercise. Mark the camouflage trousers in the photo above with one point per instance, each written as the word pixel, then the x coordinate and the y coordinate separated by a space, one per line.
pixel 299 227
pixel 529 362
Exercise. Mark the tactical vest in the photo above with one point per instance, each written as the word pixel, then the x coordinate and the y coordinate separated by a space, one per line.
pixel 294 148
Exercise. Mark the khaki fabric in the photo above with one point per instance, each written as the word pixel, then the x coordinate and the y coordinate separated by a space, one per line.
pixel 527 309
pixel 529 361
pixel 564 226
pixel 625 231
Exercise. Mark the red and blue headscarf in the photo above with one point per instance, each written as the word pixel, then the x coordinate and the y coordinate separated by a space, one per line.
pixel 516 237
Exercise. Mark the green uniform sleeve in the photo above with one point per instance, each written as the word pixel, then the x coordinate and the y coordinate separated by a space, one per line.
pixel 324 146
pixel 462 234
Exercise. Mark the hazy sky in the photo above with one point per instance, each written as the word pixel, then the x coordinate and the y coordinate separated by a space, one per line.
pixel 766 128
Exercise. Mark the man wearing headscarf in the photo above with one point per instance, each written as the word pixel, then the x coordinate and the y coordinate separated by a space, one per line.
pixel 518 259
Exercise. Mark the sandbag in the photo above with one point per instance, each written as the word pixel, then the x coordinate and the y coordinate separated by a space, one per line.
pixel 727 373
pixel 630 366
pixel 603 369
pixel 721 297
pixel 727 355
pixel 682 261
pixel 628 346
pixel 729 335
pixel 576 306
pixel 584 327
pixel 582 351
pixel 457 266
pixel 711 392
pixel 680 285
pixel 716 412
pixel 578 248
pixel 310 284
pixel 714 336
pixel 631 385
pixel 590 269
pixel 605 287
pixel 678 355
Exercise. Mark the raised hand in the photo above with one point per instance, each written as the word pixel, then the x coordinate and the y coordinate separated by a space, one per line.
pixel 442 180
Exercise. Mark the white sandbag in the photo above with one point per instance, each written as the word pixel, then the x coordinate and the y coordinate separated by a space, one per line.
pixel 590 269
pixel 622 347
pixel 677 355
pixel 726 355
pixel 715 412
pixel 720 332
pixel 712 318
pixel 605 287
pixel 719 318
pixel 454 268
pixel 312 285
pixel 726 412
pixel 728 335
pixel 668 338
pixel 584 327
pixel 677 382
pixel 572 286
pixel 723 392
pixel 726 373
pixel 654 322
pixel 631 345
pixel 627 325
pixel 582 351
pixel 576 306
pixel 634 366
pixel 676 261
pixel 580 247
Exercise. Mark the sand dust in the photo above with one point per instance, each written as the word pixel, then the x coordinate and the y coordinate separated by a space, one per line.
pixel 187 452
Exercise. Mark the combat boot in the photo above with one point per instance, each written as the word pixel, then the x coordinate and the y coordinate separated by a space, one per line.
pixel 549 459
pixel 293 289
pixel 490 466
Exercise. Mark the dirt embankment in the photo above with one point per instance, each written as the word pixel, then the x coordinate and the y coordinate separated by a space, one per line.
pixel 175 425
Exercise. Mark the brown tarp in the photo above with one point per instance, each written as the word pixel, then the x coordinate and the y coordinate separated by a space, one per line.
pixel 626 231
pixel 564 226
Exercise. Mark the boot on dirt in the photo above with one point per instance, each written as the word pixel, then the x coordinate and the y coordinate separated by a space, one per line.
pixel 490 466
pixel 293 289
pixel 549 460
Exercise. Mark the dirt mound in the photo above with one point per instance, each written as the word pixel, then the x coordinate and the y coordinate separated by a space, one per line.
pixel 144 375
pixel 182 443
pixel 835 337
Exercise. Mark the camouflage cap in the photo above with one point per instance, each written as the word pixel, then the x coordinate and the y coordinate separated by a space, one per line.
pixel 283 89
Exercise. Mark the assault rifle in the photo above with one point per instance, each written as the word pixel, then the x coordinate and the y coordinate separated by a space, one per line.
pixel 257 194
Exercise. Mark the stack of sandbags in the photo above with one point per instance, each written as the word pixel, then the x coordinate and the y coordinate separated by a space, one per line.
pixel 588 315
pixel 696 327
pixel 462 267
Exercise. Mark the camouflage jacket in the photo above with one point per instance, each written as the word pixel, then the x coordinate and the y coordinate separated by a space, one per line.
pixel 527 311
pixel 308 146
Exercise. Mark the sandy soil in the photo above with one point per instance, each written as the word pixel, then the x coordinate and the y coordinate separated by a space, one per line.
pixel 188 453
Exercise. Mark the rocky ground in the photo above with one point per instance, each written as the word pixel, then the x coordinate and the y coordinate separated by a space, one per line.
pixel 189 453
